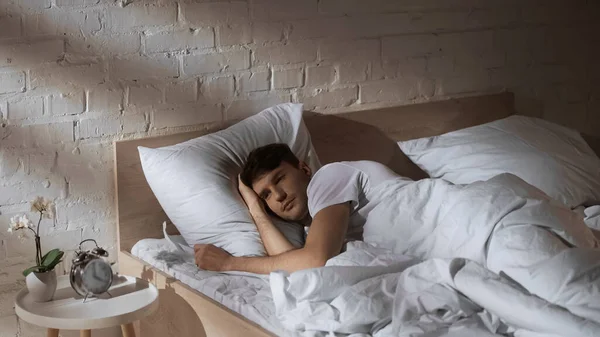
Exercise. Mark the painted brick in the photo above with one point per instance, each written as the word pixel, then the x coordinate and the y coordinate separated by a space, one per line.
pixel 215 13
pixel 438 21
pixel 10 26
pixel 71 103
pixel 146 95
pixel 401 47
pixel 66 77
pixel 106 45
pixel 463 84
pixel 26 107
pixel 384 70
pixel 122 19
pixel 89 172
pixel 358 6
pixel 26 6
pixel 8 293
pixel 181 92
pixel 288 78
pixel 234 34
pixel 39 163
pixel 283 9
pixel 249 106
pixel 182 115
pixel 267 31
pixel 61 22
pixel 11 82
pixel 217 90
pixel 50 187
pixel 216 62
pixel 8 326
pixel 30 330
pixel 32 53
pixel 10 163
pixel 359 50
pixel 352 72
pixel 320 75
pixel 36 135
pixel 136 68
pixel 132 124
pixel 75 3
pixel 104 100
pixel 413 67
pixel 351 27
pixel 98 127
pixel 330 99
pixel 440 66
pixel 470 43
pixel 254 80
pixel 286 54
pixel 180 40
pixel 401 90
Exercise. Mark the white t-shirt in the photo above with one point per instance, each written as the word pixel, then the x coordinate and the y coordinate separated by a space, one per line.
pixel 353 182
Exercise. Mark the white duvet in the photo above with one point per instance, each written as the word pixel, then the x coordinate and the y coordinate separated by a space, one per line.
pixel 490 258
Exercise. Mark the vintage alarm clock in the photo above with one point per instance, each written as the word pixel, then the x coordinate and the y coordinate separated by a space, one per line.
pixel 91 274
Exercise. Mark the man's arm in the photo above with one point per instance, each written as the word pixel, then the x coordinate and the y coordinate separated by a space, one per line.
pixel 325 240
pixel 274 241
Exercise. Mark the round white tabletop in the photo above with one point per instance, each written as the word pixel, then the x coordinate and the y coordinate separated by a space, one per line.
pixel 130 299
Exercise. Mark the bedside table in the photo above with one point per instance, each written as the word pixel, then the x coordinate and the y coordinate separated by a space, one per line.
pixel 132 299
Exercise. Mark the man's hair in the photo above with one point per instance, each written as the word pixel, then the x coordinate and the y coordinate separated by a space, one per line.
pixel 264 160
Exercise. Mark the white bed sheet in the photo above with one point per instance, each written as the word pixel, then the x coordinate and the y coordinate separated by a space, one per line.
pixel 251 295
pixel 248 295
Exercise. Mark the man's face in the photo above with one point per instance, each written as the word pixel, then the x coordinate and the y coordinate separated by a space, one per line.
pixel 284 190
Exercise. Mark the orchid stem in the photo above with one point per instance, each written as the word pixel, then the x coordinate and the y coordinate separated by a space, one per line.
pixel 38 244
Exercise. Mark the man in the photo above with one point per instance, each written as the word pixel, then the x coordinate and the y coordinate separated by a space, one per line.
pixel 334 202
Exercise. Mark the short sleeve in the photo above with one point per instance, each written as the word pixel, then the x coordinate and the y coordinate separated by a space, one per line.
pixel 334 184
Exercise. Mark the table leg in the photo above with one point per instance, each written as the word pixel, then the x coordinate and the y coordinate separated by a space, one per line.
pixel 85 333
pixel 128 330
pixel 52 333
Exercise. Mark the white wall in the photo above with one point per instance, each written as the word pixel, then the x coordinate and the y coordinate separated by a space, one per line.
pixel 77 74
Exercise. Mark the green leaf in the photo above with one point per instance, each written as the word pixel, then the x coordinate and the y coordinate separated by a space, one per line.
pixel 30 270
pixel 51 257
pixel 53 264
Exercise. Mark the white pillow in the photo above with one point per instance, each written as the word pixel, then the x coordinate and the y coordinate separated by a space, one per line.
pixel 550 157
pixel 195 181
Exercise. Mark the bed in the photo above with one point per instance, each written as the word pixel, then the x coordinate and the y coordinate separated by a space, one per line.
pixel 184 311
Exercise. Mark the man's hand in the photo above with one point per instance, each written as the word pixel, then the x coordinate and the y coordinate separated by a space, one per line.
pixel 209 257
pixel 251 199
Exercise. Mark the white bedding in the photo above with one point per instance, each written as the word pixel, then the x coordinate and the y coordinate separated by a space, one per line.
pixel 248 295
pixel 460 233
pixel 384 292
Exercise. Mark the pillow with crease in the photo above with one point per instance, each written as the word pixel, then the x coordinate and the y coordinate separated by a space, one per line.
pixel 195 182
pixel 551 157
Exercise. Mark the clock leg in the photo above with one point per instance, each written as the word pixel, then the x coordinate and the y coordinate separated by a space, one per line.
pixel 85 333
pixel 128 330
pixel 52 333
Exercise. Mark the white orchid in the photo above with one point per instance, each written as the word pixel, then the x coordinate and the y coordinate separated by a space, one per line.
pixel 44 206
pixel 19 222
pixel 47 262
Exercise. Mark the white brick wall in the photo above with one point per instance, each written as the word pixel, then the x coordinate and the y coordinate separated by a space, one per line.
pixel 77 74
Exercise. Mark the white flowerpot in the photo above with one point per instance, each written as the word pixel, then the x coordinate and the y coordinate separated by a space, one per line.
pixel 41 286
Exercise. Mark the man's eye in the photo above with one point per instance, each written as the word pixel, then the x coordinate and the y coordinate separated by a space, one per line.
pixel 266 196
pixel 280 178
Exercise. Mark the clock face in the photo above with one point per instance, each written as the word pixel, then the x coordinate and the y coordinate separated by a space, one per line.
pixel 96 277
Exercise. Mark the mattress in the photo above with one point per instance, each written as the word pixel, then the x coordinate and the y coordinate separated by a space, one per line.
pixel 246 294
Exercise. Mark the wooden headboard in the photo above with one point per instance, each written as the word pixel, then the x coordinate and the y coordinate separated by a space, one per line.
pixel 360 135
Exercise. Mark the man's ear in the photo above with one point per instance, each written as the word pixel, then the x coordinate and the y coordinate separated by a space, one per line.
pixel 305 168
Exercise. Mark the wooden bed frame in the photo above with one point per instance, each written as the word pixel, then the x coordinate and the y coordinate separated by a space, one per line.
pixel 186 312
